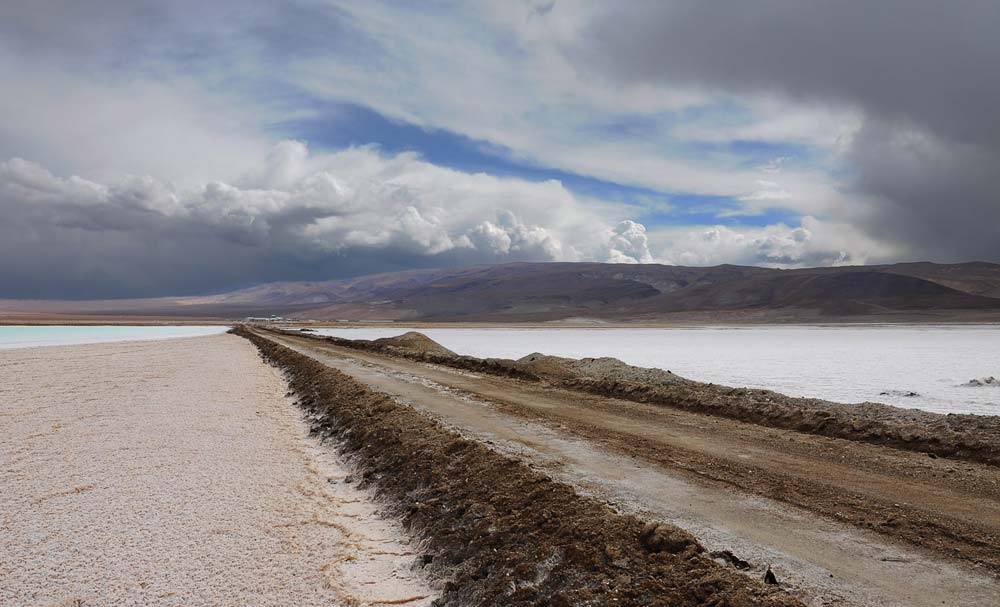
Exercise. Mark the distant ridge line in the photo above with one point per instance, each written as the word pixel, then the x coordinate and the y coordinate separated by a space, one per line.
pixel 556 291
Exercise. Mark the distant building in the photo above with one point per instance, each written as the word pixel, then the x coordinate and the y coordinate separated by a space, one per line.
pixel 266 319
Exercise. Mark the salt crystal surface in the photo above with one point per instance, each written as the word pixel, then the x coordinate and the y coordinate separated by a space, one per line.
pixel 177 473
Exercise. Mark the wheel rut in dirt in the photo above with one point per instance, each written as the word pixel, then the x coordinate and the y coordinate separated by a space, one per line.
pixel 665 467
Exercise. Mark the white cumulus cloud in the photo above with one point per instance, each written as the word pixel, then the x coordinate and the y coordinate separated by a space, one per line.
pixel 294 214
pixel 812 243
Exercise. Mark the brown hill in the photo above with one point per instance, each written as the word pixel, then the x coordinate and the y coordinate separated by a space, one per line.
pixel 535 292
pixel 554 291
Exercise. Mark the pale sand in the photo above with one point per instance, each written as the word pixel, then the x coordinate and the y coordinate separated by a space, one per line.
pixel 178 473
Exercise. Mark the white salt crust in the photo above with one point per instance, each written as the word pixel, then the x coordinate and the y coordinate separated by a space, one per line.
pixel 177 473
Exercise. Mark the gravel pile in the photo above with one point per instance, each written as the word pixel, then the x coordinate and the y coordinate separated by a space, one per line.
pixel 614 370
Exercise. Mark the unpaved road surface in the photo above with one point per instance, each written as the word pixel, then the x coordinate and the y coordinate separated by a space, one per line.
pixel 804 504
pixel 177 473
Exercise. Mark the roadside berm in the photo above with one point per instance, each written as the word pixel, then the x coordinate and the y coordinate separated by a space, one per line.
pixel 975 438
pixel 495 531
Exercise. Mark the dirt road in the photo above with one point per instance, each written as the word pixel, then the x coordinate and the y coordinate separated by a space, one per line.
pixel 842 523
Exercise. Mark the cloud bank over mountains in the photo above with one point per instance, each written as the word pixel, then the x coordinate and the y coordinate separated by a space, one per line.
pixel 293 216
pixel 150 148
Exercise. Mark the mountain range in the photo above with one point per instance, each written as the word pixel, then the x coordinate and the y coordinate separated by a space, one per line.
pixel 595 292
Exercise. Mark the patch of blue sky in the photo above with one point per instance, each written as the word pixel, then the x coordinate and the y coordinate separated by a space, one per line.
pixel 723 115
pixel 751 154
pixel 337 126
pixel 696 209
pixel 657 131
pixel 722 111
pixel 631 126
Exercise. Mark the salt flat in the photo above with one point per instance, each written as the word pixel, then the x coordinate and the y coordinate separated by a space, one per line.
pixel 177 473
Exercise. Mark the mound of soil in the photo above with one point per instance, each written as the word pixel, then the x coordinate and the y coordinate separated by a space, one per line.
pixel 543 365
pixel 437 355
pixel 496 531
pixel 602 369
pixel 413 342
pixel 970 437
pixel 613 370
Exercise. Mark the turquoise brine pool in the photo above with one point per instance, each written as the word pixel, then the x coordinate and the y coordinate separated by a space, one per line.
pixel 29 336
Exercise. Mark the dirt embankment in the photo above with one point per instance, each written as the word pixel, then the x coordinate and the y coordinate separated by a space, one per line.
pixel 970 437
pixel 499 532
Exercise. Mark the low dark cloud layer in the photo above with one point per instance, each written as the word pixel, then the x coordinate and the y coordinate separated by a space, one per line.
pixel 923 73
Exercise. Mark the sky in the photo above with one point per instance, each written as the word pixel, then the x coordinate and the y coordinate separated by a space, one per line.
pixel 151 148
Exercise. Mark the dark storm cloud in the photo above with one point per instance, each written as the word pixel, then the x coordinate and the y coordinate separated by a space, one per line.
pixel 941 197
pixel 924 74
pixel 930 62
pixel 122 246
pixel 304 217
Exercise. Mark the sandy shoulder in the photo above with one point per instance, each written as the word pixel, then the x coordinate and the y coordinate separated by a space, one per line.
pixel 177 473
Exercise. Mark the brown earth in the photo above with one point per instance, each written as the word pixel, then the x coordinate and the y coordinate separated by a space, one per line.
pixel 413 341
pixel 498 531
pixel 973 438
pixel 944 505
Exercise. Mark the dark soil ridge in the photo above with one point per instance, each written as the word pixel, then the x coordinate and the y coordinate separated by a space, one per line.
pixel 973 438
pixel 496 531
